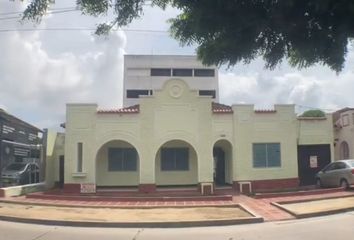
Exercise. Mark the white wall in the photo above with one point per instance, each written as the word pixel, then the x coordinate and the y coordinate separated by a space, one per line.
pixel 137 74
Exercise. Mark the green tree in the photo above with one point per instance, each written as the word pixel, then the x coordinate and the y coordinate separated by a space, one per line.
pixel 305 32
pixel 313 113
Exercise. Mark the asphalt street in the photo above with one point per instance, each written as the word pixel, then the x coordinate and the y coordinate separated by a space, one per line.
pixel 338 226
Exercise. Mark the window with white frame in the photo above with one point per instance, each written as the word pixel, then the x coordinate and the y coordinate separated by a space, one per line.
pixel 122 159
pixel 345 120
pixel 204 72
pixel 344 150
pixel 211 93
pixel 266 155
pixel 160 72
pixel 182 72
pixel 174 159
pixel 79 156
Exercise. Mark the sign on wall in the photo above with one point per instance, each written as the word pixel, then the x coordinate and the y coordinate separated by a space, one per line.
pixel 313 162
pixel 88 188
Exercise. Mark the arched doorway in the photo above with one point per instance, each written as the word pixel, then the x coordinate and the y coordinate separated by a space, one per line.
pixel 344 150
pixel 222 155
pixel 117 164
pixel 176 163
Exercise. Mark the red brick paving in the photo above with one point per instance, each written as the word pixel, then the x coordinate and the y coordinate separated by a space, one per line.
pixel 261 207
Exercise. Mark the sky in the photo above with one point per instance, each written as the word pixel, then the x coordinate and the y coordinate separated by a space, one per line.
pixel 42 70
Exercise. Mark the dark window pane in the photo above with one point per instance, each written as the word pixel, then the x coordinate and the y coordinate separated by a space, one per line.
pixel 182 159
pixel 160 72
pixel 115 159
pixel 341 165
pixel 79 157
pixel 174 159
pixel 130 160
pixel 182 72
pixel 273 154
pixel 167 159
pixel 266 155
pixel 207 93
pixel 330 167
pixel 204 72
pixel 122 159
pixel 259 155
pixel 135 93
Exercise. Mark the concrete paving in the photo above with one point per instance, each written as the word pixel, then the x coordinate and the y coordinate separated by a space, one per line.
pixel 318 207
pixel 127 217
pixel 217 212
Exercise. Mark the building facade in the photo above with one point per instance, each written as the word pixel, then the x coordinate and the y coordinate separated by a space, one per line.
pixel 19 141
pixel 143 74
pixel 344 133
pixel 176 137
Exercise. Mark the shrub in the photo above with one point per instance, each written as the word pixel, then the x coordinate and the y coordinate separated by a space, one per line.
pixel 313 113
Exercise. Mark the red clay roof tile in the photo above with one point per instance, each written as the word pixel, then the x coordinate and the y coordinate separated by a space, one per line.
pixel 221 108
pixel 131 109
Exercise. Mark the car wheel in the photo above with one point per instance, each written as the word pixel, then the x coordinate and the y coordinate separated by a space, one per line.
pixel 318 183
pixel 344 184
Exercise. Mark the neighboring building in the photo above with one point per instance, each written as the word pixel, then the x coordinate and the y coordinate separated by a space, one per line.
pixel 19 141
pixel 54 173
pixel 344 133
pixel 177 137
pixel 143 74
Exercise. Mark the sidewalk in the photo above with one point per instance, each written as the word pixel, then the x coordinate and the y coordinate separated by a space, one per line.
pixel 261 207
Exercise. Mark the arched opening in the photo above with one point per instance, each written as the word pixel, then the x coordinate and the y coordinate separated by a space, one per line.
pixel 117 164
pixel 222 154
pixel 344 150
pixel 176 163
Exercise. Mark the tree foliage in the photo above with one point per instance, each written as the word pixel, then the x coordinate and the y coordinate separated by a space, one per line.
pixel 313 113
pixel 305 32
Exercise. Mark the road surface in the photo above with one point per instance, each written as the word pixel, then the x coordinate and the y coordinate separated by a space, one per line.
pixel 338 227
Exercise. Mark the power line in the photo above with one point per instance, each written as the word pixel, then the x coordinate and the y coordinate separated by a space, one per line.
pixel 46 29
pixel 78 29
pixel 74 8
pixel 51 9
pixel 51 12
pixel 8 18
pixel 147 3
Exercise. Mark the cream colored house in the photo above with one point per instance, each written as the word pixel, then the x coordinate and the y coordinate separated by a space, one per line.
pixel 177 137
pixel 344 133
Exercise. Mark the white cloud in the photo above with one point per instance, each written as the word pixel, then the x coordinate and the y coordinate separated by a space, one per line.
pixel 316 87
pixel 36 84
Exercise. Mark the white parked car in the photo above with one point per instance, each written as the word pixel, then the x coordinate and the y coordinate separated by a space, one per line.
pixel 336 174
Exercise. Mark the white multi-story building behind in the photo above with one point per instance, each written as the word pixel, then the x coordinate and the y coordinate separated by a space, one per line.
pixel 145 73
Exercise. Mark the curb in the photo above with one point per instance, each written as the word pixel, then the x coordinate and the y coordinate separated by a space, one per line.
pixel 311 214
pixel 103 198
pixel 179 224
pixel 311 200
pixel 297 193
pixel 165 224
pixel 121 206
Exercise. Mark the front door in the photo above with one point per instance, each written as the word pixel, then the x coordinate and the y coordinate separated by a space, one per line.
pixel 219 166
pixel 61 171
pixel 311 159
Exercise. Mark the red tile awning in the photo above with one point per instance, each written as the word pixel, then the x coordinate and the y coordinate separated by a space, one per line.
pixel 265 111
pixel 221 108
pixel 131 109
